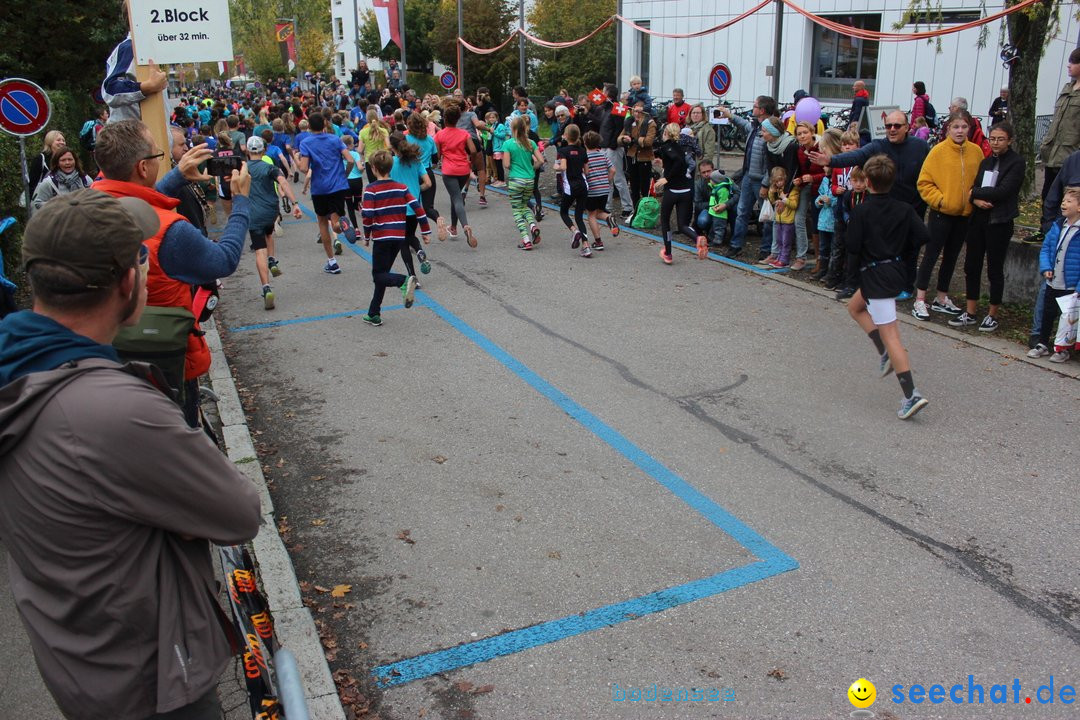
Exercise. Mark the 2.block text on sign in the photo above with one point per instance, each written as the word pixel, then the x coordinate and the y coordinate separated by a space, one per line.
pixel 169 16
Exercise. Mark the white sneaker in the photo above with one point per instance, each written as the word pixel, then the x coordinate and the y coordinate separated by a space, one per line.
pixel 1038 351
pixel 919 311
pixel 1060 357
pixel 946 306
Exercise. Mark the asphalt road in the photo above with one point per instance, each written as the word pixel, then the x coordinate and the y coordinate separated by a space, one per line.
pixel 557 480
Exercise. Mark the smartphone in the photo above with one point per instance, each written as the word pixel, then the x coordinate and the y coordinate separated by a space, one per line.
pixel 223 166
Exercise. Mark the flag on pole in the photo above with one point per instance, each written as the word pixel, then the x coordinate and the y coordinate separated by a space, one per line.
pixel 223 68
pixel 238 63
pixel 386 15
pixel 286 38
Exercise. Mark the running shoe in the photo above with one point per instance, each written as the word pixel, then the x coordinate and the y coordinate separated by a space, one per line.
pixel 372 320
pixel 910 406
pixel 989 324
pixel 296 177
pixel 845 293
pixel 1060 356
pixel 575 242
pixel 538 213
pixel 535 231
pixel 1038 351
pixel 919 311
pixel 598 244
pixel 268 297
pixel 963 320
pixel 441 228
pixel 453 233
pixel 777 264
pixel 274 269
pixel 665 256
pixel 702 247
pixel 482 201
pixel 614 226
pixel 904 295
pixel 408 291
pixel 586 251
pixel 469 237
pixel 332 268
pixel 425 266
pixel 767 260
pixel 525 245
pixel 348 231
pixel 885 368
pixel 945 306
pixel 338 247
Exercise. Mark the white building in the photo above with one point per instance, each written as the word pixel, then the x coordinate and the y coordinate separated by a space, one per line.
pixel 344 16
pixel 822 62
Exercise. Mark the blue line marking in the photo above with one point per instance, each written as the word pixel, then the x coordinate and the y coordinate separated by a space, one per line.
pixel 314 318
pixel 772 560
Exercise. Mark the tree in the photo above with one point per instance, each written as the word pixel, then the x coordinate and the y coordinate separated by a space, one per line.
pixel 487 23
pixel 582 67
pixel 253 24
pixel 419 22
pixel 64 47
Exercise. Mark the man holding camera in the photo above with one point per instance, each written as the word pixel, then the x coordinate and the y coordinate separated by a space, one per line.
pixel 180 255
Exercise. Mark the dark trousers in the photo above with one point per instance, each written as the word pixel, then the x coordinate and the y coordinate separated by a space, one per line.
pixel 427 198
pixel 1051 311
pixel 578 203
pixel 683 204
pixel 640 174
pixel 411 243
pixel 947 234
pixel 383 254
pixel 993 242
pixel 353 198
pixel 1049 175
pixel 205 708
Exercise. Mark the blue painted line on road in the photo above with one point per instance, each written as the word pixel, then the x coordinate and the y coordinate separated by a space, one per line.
pixel 310 319
pixel 772 560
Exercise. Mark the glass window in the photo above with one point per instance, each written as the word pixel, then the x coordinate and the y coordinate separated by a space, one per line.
pixel 839 60
pixel 643 53
pixel 339 29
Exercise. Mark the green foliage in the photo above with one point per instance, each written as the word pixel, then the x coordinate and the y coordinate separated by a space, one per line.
pixel 253 24
pixel 419 22
pixel 582 67
pixel 69 111
pixel 487 23
pixel 60 45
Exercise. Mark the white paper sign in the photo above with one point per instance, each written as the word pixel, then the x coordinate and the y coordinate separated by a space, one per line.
pixel 873 119
pixel 990 178
pixel 181 31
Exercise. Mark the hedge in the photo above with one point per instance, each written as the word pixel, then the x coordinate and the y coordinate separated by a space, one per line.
pixel 69 112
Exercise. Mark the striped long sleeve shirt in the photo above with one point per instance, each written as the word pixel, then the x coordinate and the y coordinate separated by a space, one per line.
pixel 384 211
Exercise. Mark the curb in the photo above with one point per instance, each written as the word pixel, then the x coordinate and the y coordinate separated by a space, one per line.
pixel 293 624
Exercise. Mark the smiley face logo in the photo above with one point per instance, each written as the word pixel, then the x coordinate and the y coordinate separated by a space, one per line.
pixel 862 693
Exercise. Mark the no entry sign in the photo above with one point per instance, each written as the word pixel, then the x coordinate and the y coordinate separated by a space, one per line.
pixel 24 107
pixel 448 80
pixel 719 79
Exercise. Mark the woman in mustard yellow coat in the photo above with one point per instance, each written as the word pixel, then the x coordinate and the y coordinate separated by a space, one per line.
pixel 945 182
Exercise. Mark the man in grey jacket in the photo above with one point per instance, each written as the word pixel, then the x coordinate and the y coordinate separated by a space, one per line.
pixel 754 183
pixel 108 500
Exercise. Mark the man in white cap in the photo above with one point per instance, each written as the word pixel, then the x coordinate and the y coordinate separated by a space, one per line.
pixel 265 179
pixel 108 499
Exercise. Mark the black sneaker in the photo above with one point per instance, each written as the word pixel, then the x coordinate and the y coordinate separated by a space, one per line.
pixel 963 320
pixel 989 324
pixel 845 293
pixel 733 253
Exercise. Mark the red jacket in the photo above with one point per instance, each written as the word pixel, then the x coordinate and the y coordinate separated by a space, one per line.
pixel 806 167
pixel 678 113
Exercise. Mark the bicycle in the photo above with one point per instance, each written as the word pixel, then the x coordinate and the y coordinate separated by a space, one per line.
pixel 840 119
pixel 729 135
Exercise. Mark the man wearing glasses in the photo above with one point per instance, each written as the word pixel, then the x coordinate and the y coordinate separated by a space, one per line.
pixel 908 153
pixel 180 255
pixel 107 498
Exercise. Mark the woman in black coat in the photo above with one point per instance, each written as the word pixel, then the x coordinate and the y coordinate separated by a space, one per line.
pixel 996 197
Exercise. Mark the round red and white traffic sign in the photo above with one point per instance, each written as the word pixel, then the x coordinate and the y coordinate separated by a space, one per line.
pixel 24 107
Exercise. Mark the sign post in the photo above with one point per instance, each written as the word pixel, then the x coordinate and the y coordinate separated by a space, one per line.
pixel 448 80
pixel 25 110
pixel 719 79
pixel 171 32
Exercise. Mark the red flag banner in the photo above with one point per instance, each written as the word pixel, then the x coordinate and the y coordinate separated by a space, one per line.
pixel 238 65
pixel 286 38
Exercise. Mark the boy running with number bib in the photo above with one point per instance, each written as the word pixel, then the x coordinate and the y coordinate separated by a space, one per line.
pixel 599 175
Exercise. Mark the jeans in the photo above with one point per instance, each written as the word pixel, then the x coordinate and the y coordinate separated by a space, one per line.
pixel 947 233
pixel 1036 319
pixel 993 242
pixel 617 158
pixel 719 230
pixel 802 240
pixel 703 222
pixel 748 196
pixel 383 254
pixel 1051 311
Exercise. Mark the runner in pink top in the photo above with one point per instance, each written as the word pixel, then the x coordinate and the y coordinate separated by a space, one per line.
pixel 456 147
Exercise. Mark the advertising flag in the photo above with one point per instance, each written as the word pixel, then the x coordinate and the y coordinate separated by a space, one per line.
pixel 386 14
pixel 286 38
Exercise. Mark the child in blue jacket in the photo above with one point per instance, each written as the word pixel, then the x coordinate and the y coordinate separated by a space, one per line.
pixel 1059 264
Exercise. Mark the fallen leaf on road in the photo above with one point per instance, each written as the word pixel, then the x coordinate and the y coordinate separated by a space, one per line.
pixel 318 522
pixel 439 459
pixel 463 685
pixel 404 537
pixel 483 689
pixel 500 508
pixel 379 354
pixel 340 590
pixel 778 674
pixel 320 588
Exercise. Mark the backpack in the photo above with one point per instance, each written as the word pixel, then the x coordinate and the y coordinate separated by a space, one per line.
pixel 929 112
pixel 647 214
pixel 159 338
pixel 86 135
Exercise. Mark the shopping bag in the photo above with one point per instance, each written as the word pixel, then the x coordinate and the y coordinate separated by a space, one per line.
pixel 767 213
pixel 647 214
pixel 1070 313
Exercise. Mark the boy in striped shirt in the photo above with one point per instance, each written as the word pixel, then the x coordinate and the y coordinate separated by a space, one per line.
pixel 599 174
pixel 384 218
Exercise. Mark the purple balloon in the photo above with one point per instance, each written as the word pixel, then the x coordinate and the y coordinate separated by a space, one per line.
pixel 808 110
pixel 785 116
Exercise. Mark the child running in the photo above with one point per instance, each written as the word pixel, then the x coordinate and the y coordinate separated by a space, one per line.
pixel 385 223
pixel 520 158
pixel 266 178
pixel 572 159
pixel 457 148
pixel 599 177
pixel 355 194
pixel 322 153
pixel 499 133
pixel 784 222
pixel 418 135
pixel 409 171
pixel 880 232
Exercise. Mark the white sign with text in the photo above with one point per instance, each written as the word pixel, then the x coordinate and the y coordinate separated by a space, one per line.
pixel 181 31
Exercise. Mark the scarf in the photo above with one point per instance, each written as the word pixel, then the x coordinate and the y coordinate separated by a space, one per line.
pixel 69 182
pixel 780 144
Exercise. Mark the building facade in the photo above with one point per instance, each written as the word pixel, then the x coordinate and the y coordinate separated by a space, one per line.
pixel 824 63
